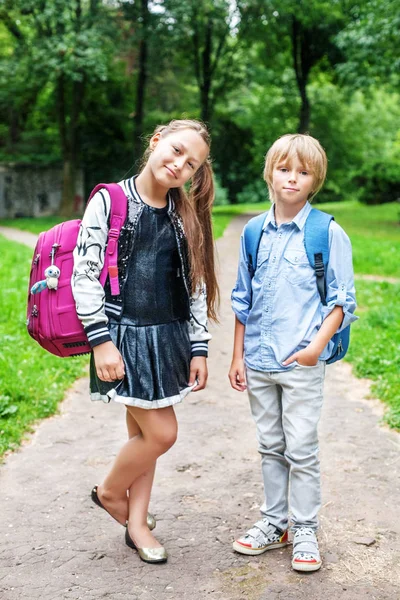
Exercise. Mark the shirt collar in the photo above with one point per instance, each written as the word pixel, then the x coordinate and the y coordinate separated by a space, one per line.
pixel 299 220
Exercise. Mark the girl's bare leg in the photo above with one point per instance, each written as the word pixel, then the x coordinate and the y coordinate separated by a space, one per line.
pixel 140 490
pixel 158 431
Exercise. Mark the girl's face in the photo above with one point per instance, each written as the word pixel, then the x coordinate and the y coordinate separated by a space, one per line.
pixel 176 157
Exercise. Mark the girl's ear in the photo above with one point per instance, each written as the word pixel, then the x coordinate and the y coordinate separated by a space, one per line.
pixel 154 140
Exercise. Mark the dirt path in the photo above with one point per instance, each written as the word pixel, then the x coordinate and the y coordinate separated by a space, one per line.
pixel 55 544
pixel 378 278
pixel 16 235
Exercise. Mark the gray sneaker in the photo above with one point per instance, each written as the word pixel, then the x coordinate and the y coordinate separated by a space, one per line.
pixel 261 537
pixel 306 555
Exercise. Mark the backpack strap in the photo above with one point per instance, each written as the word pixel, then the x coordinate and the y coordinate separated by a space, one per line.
pixel 118 211
pixel 316 242
pixel 252 237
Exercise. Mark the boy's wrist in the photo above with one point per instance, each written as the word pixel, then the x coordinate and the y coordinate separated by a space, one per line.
pixel 314 349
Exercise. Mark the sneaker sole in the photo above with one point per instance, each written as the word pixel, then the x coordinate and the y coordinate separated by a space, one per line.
pixel 256 551
pixel 306 567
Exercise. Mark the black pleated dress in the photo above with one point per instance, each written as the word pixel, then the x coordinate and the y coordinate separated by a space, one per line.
pixel 152 335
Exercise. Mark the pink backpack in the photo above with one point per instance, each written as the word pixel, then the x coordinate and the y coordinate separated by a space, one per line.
pixel 51 315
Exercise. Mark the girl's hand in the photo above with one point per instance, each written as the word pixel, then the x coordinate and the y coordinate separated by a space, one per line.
pixel 307 357
pixel 108 361
pixel 199 371
pixel 237 375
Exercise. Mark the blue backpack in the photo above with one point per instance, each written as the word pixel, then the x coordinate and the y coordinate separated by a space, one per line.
pixel 316 242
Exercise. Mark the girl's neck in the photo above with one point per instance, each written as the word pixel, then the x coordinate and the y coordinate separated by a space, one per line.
pixel 149 190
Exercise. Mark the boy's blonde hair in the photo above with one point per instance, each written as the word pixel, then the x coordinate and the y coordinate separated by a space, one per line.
pixel 309 152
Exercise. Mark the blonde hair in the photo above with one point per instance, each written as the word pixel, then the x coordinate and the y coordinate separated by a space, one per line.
pixel 195 208
pixel 309 152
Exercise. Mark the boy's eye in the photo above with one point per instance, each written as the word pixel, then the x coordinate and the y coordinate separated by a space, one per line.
pixel 283 169
pixel 304 172
pixel 191 165
pixel 176 149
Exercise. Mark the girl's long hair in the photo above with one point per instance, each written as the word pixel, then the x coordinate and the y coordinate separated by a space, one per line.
pixel 195 208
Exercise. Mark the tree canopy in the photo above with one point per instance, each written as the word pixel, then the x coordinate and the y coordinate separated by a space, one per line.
pixel 83 82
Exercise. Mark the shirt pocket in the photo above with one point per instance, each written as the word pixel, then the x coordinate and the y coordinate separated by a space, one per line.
pixel 296 268
pixel 262 256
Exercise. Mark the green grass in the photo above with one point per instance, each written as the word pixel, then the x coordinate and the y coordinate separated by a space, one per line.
pixel 375 343
pixel 374 232
pixel 375 235
pixel 32 381
pixel 34 225
pixel 222 215
pixel 375 340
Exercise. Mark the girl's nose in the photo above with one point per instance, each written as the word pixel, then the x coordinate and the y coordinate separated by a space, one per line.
pixel 178 165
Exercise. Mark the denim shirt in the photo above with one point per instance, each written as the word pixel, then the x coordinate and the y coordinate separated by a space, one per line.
pixel 280 306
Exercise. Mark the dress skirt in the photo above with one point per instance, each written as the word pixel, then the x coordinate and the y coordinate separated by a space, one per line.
pixel 157 365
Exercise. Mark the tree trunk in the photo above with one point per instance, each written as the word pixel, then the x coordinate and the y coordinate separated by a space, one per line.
pixel 141 84
pixel 68 128
pixel 301 66
pixel 305 111
pixel 69 187
pixel 206 69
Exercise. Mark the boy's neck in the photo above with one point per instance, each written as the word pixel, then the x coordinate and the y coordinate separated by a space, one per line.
pixel 149 190
pixel 286 213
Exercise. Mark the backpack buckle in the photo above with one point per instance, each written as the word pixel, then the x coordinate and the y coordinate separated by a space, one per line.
pixel 319 265
pixel 113 233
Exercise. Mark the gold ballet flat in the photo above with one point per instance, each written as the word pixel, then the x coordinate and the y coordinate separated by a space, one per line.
pixel 149 555
pixel 151 522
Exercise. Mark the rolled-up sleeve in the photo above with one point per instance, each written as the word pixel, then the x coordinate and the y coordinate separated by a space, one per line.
pixel 340 277
pixel 241 293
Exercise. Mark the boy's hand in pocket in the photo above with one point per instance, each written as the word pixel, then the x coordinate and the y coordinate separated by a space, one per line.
pixel 307 357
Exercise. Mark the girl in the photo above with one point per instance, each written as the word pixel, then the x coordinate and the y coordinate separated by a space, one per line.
pixel 150 342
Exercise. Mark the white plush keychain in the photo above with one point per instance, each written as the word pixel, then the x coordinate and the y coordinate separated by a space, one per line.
pixel 52 274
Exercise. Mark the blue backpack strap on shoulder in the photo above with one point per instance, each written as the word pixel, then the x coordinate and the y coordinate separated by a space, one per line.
pixel 316 242
pixel 252 237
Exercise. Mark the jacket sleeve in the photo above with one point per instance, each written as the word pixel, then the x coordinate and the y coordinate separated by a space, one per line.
pixel 340 277
pixel 241 293
pixel 198 333
pixel 88 262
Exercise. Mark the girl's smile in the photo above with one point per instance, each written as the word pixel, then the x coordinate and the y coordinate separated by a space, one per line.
pixel 177 156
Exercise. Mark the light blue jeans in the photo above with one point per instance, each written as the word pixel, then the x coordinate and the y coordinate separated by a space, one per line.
pixel 286 407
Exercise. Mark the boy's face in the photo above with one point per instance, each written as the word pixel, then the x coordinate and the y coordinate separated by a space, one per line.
pixel 176 157
pixel 292 182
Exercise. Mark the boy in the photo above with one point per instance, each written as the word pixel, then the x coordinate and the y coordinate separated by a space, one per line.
pixel 282 340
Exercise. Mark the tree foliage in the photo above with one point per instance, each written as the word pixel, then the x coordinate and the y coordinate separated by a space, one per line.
pixel 83 82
